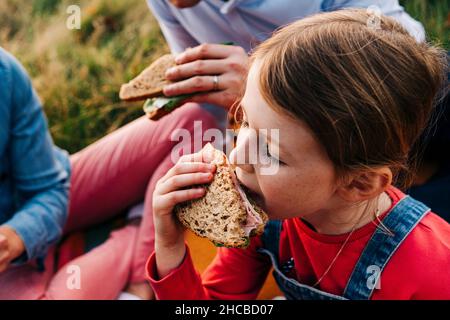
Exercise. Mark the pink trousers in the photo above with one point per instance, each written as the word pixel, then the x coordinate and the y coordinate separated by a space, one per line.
pixel 108 177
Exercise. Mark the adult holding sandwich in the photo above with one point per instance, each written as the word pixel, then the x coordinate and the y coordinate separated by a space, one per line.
pixel 194 30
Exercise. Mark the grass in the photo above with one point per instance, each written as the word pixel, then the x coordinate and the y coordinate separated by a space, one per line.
pixel 78 73
pixel 434 15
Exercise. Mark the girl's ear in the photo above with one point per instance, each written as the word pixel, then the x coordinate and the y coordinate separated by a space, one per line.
pixel 365 185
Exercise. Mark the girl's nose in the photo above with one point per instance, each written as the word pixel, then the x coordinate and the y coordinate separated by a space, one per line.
pixel 242 155
pixel 234 159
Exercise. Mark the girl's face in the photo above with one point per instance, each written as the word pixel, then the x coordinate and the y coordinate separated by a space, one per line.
pixel 305 181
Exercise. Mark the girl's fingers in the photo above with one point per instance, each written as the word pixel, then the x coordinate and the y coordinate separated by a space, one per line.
pixel 188 167
pixel 193 157
pixel 193 167
pixel 184 180
pixel 195 68
pixel 190 163
pixel 201 156
pixel 169 200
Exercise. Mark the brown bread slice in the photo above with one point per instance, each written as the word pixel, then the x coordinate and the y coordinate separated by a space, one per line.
pixel 150 82
pixel 220 214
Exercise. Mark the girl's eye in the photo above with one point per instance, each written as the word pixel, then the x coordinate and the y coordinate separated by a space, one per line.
pixel 271 156
pixel 268 152
pixel 244 123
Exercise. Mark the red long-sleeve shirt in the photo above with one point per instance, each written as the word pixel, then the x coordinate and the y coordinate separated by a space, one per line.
pixel 419 269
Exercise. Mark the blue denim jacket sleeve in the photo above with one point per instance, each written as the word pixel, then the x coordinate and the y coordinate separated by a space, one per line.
pixel 40 172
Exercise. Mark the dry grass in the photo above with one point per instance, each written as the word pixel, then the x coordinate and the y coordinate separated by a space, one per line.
pixel 77 73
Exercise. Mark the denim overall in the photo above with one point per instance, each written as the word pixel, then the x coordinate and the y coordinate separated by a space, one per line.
pixel 402 219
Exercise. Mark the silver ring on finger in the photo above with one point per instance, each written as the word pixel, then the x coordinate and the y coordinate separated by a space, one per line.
pixel 215 83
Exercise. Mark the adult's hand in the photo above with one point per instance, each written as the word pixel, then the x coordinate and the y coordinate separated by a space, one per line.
pixel 11 247
pixel 196 70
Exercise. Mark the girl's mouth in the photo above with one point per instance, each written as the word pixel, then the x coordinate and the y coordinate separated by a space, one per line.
pixel 254 196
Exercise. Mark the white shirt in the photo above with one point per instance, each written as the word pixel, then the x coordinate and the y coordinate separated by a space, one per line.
pixel 249 22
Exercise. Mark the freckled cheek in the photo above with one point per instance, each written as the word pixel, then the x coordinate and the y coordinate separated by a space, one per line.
pixel 295 195
pixel 279 195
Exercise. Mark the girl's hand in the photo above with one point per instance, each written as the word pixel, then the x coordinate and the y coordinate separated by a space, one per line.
pixel 11 246
pixel 198 66
pixel 170 190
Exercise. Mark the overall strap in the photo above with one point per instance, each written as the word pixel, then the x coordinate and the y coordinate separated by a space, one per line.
pixel 271 237
pixel 400 221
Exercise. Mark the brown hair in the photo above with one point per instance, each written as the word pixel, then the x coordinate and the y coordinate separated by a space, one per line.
pixel 367 93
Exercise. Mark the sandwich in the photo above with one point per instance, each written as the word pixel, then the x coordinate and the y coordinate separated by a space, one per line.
pixel 225 214
pixel 149 84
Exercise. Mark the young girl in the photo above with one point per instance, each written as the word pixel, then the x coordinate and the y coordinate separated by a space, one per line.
pixel 349 100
